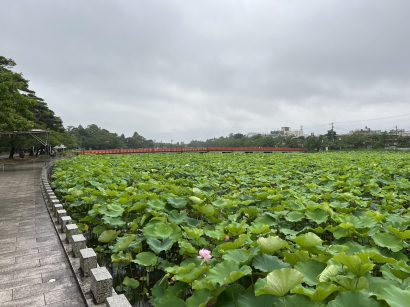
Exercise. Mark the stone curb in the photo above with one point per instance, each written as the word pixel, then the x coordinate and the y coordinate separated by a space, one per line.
pixel 94 281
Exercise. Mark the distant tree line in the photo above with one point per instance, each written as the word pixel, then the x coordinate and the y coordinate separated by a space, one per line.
pixel 329 141
pixel 94 137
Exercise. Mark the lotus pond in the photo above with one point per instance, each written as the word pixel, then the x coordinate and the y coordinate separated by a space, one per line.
pixel 246 229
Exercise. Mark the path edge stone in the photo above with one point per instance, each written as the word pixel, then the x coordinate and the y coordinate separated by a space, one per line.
pixel 83 282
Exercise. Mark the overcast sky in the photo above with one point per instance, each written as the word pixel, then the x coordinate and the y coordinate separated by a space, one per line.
pixel 178 70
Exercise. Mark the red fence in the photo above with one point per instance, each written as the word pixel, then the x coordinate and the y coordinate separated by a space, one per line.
pixel 180 150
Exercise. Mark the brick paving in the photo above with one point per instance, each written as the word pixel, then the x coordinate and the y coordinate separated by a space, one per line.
pixel 33 268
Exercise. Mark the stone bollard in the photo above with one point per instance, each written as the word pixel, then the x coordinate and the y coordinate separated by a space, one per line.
pixel 78 242
pixel 118 301
pixel 88 260
pixel 101 284
pixel 60 214
pixel 64 221
pixel 57 207
pixel 71 229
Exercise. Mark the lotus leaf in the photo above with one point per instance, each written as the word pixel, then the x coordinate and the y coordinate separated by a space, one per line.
pixel 308 240
pixel 311 270
pixel 354 299
pixel 146 259
pixel 177 202
pixel 131 282
pixel 271 244
pixel 107 236
pixel 227 272
pixel 267 263
pixel 162 230
pixel 158 246
pixel 278 282
pixel 388 240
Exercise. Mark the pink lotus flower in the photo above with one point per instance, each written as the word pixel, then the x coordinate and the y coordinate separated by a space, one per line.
pixel 226 238
pixel 204 254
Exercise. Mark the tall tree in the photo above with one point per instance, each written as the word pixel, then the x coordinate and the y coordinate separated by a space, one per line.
pixel 21 109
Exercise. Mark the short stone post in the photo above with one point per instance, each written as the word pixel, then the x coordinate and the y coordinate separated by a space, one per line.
pixel 60 214
pixel 88 260
pixel 64 221
pixel 78 242
pixel 101 284
pixel 71 229
pixel 118 301
pixel 57 207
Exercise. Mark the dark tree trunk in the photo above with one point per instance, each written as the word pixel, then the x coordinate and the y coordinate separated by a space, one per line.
pixel 12 148
pixel 12 152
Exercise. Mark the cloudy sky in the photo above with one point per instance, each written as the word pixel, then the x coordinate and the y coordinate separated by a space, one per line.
pixel 180 69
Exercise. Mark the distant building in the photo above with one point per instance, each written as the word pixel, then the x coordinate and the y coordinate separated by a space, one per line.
pixel 366 131
pixel 399 132
pixel 286 131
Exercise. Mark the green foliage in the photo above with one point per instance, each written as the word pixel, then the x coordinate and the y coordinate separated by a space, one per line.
pixel 282 230
pixel 279 282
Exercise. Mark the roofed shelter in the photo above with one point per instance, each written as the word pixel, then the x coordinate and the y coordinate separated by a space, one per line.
pixel 41 136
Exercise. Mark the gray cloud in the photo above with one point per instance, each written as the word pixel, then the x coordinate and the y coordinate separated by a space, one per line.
pixel 196 69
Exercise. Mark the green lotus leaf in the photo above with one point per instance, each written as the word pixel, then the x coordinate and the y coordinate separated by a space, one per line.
pixel 319 216
pixel 158 246
pixel 121 257
pixel 199 298
pixel 249 299
pixel 206 209
pixel 123 243
pixel 294 216
pixel 311 270
pixel 130 282
pixel 227 272
pixel 361 299
pixel 177 202
pixel 113 221
pixel 162 230
pixel 238 243
pixel 267 263
pixel 329 272
pixel 403 235
pixel 357 264
pixel 308 240
pixel 114 210
pixel 220 203
pixel 318 294
pixel 399 269
pixel 146 259
pixel 237 255
pixel 278 282
pixel 196 191
pixel 165 296
pixel 271 244
pixel 386 290
pixel 187 272
pixel 388 240
pixel 156 204
pixel 107 236
pixel 193 232
pixel 177 217
pixel 352 283
pixel 186 248
pixel 196 200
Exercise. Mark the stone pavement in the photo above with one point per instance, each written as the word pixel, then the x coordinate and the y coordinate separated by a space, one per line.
pixel 33 267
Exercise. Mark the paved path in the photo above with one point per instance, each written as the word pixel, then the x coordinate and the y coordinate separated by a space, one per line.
pixel 33 268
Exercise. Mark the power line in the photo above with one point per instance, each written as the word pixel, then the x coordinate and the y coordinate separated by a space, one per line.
pixel 372 119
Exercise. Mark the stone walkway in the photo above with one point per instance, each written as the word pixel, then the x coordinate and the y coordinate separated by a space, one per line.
pixel 33 268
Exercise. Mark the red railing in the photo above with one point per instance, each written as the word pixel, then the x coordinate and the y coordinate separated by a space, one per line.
pixel 180 150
